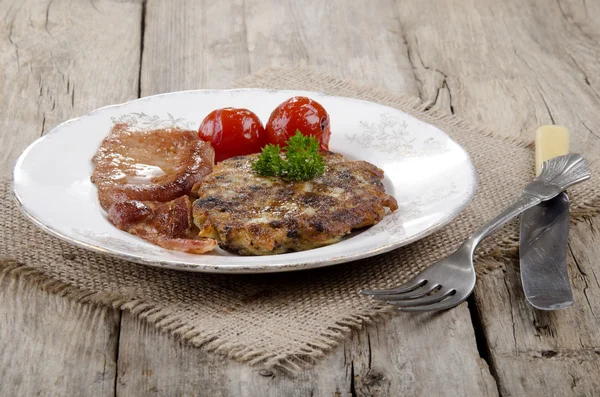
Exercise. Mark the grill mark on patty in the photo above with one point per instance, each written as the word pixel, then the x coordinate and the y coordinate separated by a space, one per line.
pixel 254 215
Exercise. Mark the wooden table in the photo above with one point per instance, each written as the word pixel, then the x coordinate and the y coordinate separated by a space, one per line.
pixel 512 65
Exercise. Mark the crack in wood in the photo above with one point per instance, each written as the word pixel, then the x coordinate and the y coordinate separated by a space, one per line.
pixel 481 342
pixel 116 352
pixel 570 19
pixel 582 354
pixel 588 128
pixel 352 381
pixel 48 18
pixel 512 318
pixel 449 96
pixel 596 278
pixel 43 125
pixel 480 338
pixel 10 39
pixel 585 76
pixel 142 33
pixel 370 358
pixel 416 61
pixel 546 105
pixel 409 56
pixel 94 6
pixel 104 373
pixel 574 380
pixel 584 278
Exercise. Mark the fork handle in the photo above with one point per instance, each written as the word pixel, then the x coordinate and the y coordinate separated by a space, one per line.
pixel 557 175
pixel 523 203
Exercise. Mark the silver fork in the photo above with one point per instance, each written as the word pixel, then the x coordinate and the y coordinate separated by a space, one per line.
pixel 450 281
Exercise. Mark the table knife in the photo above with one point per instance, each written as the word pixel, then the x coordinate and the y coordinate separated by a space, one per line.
pixel 544 234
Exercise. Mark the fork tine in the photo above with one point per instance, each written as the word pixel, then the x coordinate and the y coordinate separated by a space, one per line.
pixel 426 300
pixel 443 305
pixel 406 287
pixel 414 294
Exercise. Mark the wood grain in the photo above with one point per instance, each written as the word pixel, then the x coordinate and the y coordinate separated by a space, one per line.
pixel 202 44
pixel 511 65
pixel 360 41
pixel 515 65
pixel 400 356
pixel 192 44
pixel 59 59
pixel 535 351
pixel 407 356
pixel 50 345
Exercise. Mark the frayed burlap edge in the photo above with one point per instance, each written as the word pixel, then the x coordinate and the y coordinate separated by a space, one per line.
pixel 167 321
pixel 164 320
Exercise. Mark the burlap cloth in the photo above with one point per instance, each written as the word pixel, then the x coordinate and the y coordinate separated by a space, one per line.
pixel 284 320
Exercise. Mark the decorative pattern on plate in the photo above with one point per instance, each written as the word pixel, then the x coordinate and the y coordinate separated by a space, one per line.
pixel 432 146
pixel 391 136
pixel 143 121
pixel 393 223
pixel 361 128
pixel 140 249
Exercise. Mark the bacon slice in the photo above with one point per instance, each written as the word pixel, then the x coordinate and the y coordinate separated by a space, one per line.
pixel 144 179
pixel 168 225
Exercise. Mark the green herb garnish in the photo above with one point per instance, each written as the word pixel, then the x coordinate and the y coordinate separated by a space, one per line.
pixel 302 159
pixel 270 163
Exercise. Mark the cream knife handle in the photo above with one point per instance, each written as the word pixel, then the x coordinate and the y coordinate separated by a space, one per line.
pixel 550 141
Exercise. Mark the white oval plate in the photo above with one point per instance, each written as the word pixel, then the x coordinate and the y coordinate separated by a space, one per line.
pixel 430 176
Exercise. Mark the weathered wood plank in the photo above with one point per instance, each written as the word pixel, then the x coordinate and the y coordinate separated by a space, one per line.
pixel 50 345
pixel 415 355
pixel 365 43
pixel 58 60
pixel 515 65
pixel 152 363
pixel 192 44
pixel 202 44
pixel 360 41
pixel 534 351
pixel 512 65
pixel 407 356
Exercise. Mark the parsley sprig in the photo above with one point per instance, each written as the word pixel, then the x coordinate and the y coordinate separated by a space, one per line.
pixel 302 159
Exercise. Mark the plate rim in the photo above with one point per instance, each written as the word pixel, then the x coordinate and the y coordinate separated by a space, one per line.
pixel 237 268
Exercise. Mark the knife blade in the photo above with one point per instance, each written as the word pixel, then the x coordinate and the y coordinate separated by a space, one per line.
pixel 544 234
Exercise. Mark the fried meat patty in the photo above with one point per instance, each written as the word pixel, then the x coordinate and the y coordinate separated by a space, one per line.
pixel 253 215
pixel 144 179
pixel 155 165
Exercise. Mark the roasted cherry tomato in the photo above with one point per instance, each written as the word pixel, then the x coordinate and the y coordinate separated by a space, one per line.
pixel 233 132
pixel 302 114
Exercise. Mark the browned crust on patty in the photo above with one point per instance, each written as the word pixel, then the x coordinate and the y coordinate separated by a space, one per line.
pixel 253 215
